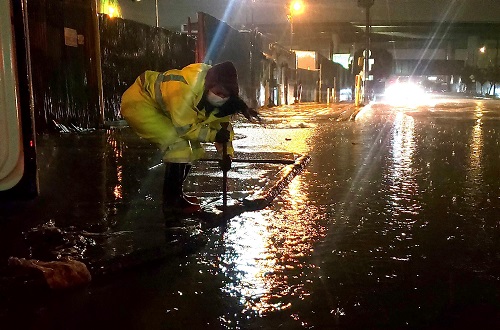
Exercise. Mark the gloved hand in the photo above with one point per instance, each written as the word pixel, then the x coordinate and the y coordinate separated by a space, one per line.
pixel 225 163
pixel 252 115
pixel 222 136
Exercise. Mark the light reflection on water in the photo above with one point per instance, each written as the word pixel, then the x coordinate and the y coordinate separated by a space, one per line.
pixel 403 186
pixel 118 189
pixel 270 250
pixel 474 174
pixel 249 258
pixel 116 154
pixel 402 247
pixel 385 186
pixel 268 247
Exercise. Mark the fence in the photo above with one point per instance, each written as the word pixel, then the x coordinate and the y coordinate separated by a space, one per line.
pixel 64 46
pixel 129 48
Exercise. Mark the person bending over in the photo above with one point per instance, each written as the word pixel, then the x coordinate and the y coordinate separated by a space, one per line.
pixel 179 110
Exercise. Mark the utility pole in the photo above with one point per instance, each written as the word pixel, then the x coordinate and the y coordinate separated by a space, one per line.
pixel 296 7
pixel 496 72
pixel 367 5
pixel 156 13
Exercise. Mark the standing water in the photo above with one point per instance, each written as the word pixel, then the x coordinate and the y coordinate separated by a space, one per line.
pixel 393 224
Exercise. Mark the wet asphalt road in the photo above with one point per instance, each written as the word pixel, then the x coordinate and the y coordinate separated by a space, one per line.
pixel 393 224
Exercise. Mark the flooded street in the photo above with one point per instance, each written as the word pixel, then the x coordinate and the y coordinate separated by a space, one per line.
pixel 393 224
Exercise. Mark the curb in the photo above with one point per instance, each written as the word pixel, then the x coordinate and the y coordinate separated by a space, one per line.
pixel 264 197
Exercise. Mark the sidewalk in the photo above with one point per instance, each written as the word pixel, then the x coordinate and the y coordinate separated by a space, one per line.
pixel 100 200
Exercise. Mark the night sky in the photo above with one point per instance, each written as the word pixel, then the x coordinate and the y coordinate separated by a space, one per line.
pixel 173 13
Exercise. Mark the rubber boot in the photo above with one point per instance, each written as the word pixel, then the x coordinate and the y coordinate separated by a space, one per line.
pixel 192 199
pixel 173 200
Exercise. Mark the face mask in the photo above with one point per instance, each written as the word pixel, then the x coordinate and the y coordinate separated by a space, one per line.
pixel 216 100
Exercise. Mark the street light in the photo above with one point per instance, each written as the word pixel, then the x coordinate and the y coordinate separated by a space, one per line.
pixel 252 4
pixel 109 7
pixel 367 5
pixel 296 8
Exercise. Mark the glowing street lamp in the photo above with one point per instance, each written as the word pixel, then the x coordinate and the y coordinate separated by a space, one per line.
pixel 296 8
pixel 110 8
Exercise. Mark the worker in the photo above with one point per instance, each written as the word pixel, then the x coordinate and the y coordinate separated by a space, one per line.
pixel 178 110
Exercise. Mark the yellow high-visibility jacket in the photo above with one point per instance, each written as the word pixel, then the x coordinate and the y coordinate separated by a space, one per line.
pixel 162 108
